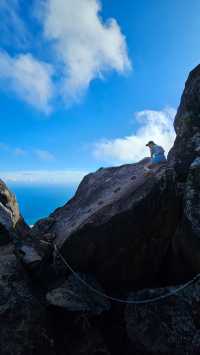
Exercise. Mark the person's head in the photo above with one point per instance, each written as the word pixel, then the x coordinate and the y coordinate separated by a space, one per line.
pixel 150 144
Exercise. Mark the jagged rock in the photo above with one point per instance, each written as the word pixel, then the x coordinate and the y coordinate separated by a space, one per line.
pixel 169 326
pixel 28 256
pixel 186 242
pixel 22 317
pixel 78 308
pixel 11 222
pixel 187 126
pixel 75 296
pixel 116 224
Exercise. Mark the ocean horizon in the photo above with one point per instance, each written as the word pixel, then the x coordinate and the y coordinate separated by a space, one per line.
pixel 38 201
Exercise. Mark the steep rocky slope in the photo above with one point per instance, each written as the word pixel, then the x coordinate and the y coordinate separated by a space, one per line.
pixel 117 222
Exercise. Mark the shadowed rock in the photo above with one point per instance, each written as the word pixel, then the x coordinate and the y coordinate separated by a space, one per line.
pixel 74 296
pixel 116 224
pixel 187 126
pixel 184 158
pixel 169 326
pixel 22 317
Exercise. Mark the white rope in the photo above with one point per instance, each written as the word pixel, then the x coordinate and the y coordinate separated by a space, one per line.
pixel 119 300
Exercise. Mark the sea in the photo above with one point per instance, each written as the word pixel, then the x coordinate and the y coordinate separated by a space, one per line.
pixel 37 202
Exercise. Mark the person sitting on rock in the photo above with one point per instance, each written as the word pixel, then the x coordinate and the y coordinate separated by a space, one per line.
pixel 157 156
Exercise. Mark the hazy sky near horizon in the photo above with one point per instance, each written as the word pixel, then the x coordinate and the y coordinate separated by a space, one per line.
pixel 85 83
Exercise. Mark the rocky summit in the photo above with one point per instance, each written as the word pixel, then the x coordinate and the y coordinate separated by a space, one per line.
pixel 115 270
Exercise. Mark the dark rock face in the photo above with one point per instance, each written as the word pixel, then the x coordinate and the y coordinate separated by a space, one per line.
pixel 186 241
pixel 22 318
pixel 74 296
pixel 170 326
pixel 187 126
pixel 115 225
pixel 74 305
pixel 185 158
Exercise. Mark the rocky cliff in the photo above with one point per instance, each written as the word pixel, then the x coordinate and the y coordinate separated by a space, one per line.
pixel 11 222
pixel 127 235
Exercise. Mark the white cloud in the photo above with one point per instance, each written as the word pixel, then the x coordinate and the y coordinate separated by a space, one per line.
pixel 85 45
pixel 44 154
pixel 67 177
pixel 80 44
pixel 29 78
pixel 154 125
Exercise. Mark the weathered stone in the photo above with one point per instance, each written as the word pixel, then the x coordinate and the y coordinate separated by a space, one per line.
pixel 75 296
pixel 28 256
pixel 102 230
pixel 184 159
pixel 22 317
pixel 187 239
pixel 11 222
pixel 187 126
pixel 169 326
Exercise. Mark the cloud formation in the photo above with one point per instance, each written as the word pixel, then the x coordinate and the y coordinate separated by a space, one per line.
pixel 153 125
pixel 66 177
pixel 85 45
pixel 28 78
pixel 81 47
pixel 44 155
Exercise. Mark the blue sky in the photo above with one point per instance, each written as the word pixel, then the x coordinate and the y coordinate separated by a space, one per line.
pixel 79 90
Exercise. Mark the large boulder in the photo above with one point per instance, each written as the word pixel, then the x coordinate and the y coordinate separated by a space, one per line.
pixel 11 222
pixel 78 309
pixel 75 296
pixel 187 127
pixel 117 222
